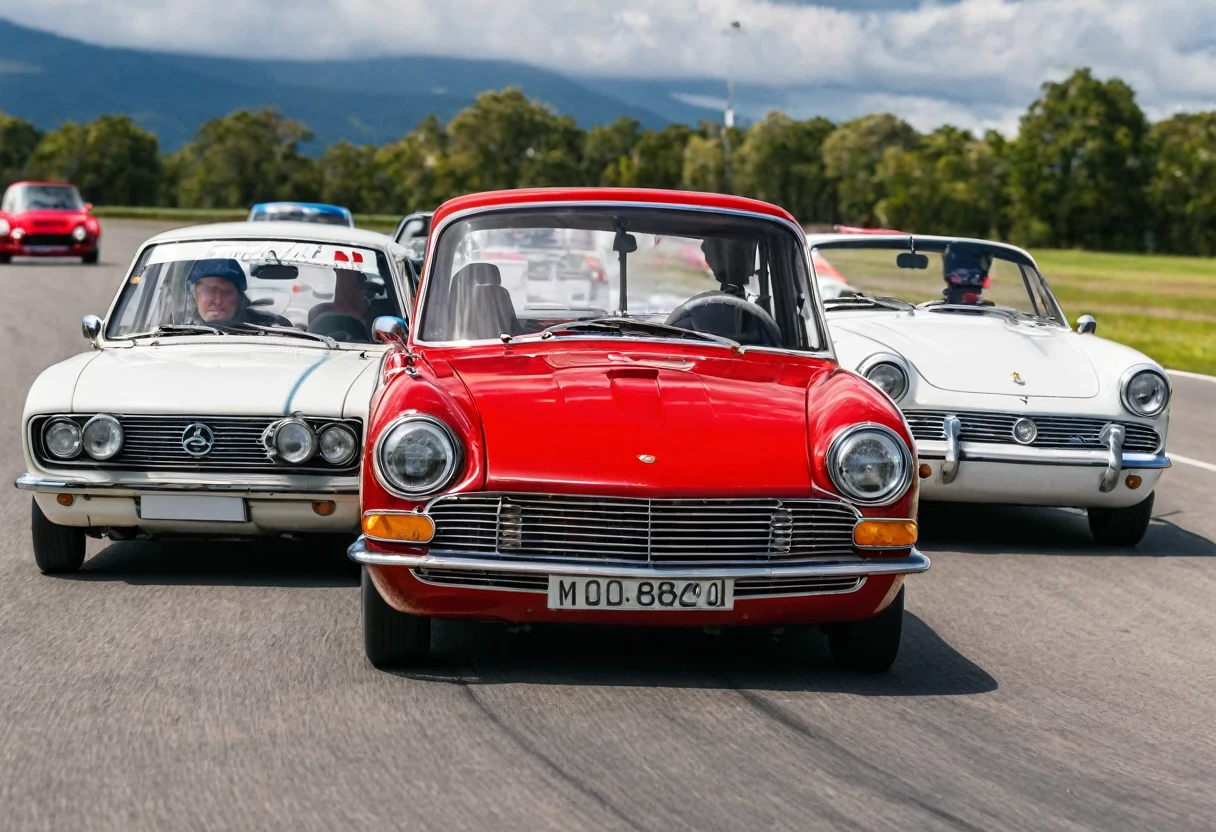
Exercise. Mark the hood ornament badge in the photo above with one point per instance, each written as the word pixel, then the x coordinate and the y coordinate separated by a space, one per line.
pixel 1017 379
pixel 647 458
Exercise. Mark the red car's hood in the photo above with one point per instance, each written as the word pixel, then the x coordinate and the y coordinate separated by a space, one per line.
pixel 49 220
pixel 589 421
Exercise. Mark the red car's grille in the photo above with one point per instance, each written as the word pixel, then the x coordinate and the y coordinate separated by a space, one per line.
pixel 618 530
pixel 47 240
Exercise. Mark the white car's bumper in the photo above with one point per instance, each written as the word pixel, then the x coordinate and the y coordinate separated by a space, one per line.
pixel 978 472
pixel 270 507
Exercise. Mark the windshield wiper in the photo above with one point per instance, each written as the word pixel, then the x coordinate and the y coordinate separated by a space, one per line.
pixel 623 325
pixel 179 329
pixel 965 308
pixel 284 330
pixel 868 300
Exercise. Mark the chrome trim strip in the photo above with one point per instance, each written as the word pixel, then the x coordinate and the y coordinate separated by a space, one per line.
pixel 1112 438
pixel 1021 455
pixel 37 482
pixel 914 562
pixel 952 426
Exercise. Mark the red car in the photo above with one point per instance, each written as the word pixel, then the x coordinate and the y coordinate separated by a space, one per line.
pixel 693 455
pixel 47 219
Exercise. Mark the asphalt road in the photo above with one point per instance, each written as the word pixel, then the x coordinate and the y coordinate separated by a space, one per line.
pixel 1043 683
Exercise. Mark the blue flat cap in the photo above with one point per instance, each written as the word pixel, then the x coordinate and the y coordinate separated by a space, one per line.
pixel 225 268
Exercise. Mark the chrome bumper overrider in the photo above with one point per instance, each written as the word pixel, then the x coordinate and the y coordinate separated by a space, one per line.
pixel 914 562
pixel 35 482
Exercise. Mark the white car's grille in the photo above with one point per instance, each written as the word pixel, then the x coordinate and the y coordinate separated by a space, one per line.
pixel 1053 431
pixel 155 443
pixel 675 533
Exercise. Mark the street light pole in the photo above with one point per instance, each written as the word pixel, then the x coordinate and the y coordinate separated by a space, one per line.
pixel 736 28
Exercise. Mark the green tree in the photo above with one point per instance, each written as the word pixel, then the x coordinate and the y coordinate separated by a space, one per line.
pixel 948 184
pixel 111 160
pixel 851 155
pixel 658 159
pixel 1182 188
pixel 507 141
pixel 606 148
pixel 781 161
pixel 348 175
pixel 18 138
pixel 413 173
pixel 704 168
pixel 1079 168
pixel 244 158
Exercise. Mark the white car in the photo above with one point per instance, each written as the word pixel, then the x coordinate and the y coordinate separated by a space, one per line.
pixel 1007 403
pixel 225 395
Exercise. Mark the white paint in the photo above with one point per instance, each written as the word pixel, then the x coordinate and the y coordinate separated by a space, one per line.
pixel 1207 466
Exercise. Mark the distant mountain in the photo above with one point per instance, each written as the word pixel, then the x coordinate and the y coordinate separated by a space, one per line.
pixel 49 79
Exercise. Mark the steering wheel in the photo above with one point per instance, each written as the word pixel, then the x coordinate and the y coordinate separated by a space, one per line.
pixel 340 327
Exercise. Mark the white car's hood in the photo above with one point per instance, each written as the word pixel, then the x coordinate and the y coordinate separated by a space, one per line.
pixel 240 379
pixel 975 354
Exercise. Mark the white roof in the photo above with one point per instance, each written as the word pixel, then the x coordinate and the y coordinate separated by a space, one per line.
pixel 307 232
pixel 816 239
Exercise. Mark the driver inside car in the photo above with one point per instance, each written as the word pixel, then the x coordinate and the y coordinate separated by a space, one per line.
pixel 217 287
pixel 965 270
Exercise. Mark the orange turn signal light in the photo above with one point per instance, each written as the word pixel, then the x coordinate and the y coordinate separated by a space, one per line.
pixel 926 470
pixel 1133 481
pixel 884 534
pixel 65 499
pixel 409 528
pixel 324 507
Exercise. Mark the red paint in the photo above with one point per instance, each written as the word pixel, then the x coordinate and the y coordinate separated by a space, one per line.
pixel 573 416
pixel 56 222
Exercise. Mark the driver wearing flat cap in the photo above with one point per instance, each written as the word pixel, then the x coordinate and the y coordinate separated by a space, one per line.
pixel 217 286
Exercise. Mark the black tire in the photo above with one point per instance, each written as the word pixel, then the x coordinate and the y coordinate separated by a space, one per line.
pixel 90 259
pixel 5 259
pixel 1121 526
pixel 57 549
pixel 391 638
pixel 869 646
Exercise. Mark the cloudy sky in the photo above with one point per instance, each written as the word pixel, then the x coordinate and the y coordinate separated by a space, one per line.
pixel 976 63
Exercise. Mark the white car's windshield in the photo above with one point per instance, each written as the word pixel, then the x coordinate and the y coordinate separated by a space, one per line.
pixel 46 198
pixel 682 271
pixel 952 274
pixel 330 290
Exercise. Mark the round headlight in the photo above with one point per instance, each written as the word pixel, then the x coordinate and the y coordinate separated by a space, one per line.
pixel 62 438
pixel 338 445
pixel 417 455
pixel 4 228
pixel 1146 393
pixel 889 378
pixel 295 441
pixel 870 464
pixel 102 437
pixel 79 233
pixel 18 233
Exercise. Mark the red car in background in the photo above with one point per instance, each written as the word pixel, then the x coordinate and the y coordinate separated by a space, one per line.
pixel 47 219
pixel 694 456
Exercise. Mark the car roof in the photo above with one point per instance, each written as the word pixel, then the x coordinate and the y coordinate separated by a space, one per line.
pixel 676 199
pixel 303 231
pixel 872 237
pixel 317 206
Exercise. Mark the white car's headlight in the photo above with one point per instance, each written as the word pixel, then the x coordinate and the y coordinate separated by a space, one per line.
pixel 79 233
pixel 295 441
pixel 4 228
pixel 417 455
pixel 890 378
pixel 62 438
pixel 1145 392
pixel 338 445
pixel 870 464
pixel 102 437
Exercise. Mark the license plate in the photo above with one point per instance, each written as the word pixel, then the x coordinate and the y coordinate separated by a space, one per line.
pixel 629 594
pixel 47 249
pixel 212 509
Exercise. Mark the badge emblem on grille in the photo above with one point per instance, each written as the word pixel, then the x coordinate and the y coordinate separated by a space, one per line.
pixel 1017 379
pixel 198 439
pixel 647 458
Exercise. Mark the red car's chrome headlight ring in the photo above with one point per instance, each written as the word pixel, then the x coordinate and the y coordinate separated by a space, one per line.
pixel 846 441
pixel 394 433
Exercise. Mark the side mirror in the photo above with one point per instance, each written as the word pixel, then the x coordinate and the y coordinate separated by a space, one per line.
pixel 389 329
pixel 91 327
pixel 88 206
pixel 1086 325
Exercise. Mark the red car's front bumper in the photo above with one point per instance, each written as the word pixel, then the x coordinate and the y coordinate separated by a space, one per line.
pixel 394 575
pixel 48 249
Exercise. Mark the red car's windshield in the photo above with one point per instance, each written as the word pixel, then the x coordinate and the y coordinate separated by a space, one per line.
pixel 43 198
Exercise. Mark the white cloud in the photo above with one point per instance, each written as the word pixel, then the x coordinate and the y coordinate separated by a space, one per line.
pixel 934 58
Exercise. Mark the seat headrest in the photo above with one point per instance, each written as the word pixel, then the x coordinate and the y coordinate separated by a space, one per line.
pixel 479 274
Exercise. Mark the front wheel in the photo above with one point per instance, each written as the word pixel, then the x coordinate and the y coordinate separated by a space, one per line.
pixel 869 646
pixel 391 638
pixel 57 549
pixel 5 259
pixel 90 259
pixel 1121 526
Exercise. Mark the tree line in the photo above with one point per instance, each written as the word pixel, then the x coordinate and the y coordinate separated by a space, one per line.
pixel 1086 170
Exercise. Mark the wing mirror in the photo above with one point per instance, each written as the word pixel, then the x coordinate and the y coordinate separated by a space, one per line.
pixel 1086 325
pixel 91 327
pixel 389 329
pixel 88 207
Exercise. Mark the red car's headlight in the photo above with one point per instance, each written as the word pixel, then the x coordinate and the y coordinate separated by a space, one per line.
pixel 416 456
